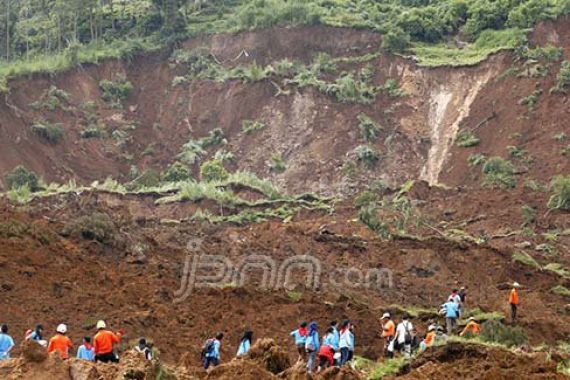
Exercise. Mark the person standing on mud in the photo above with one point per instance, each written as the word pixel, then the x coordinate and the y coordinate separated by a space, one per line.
pixel 403 336
pixel 60 342
pixel 6 343
pixel 211 351
pixel 514 301
pixel 300 336
pixel 245 343
pixel 388 333
pixel 450 310
pixel 312 346
pixel 346 342
pixel 103 343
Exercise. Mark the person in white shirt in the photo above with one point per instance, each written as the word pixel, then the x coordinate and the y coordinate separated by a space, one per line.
pixel 403 336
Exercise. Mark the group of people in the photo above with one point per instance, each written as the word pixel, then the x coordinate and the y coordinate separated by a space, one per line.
pixel 101 350
pixel 335 348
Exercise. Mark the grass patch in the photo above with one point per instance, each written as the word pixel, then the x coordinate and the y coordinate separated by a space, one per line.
pixel 498 173
pixel 561 291
pixel 295 296
pixel 525 259
pixel 50 133
pixel 250 126
pixel 560 189
pixel 466 139
pixel 558 269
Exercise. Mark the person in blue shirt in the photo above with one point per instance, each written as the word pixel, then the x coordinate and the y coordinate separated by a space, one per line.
pixel 86 350
pixel 6 343
pixel 336 336
pixel 300 336
pixel 211 351
pixel 346 343
pixel 245 343
pixel 450 310
pixel 312 346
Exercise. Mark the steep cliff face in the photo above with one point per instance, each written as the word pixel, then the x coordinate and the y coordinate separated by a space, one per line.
pixel 312 132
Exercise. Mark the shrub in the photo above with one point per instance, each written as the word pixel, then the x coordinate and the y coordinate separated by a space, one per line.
pixel 558 269
pixel 562 79
pixel 365 199
pixel 392 89
pixel 19 177
pixel 368 216
pixel 149 178
pixel 367 155
pixel 348 89
pixel 529 215
pixel 467 139
pixel 115 91
pixel 93 131
pixel 215 137
pixel 494 331
pixel 525 259
pixel 396 40
pixel 532 100
pixel 177 172
pixel 277 164
pixel 561 290
pixel 369 129
pixel 97 226
pixel 560 189
pixel 249 126
pixel 323 62
pixel 498 172
pixel 51 133
pixel 476 159
pixel 560 136
pixel 213 170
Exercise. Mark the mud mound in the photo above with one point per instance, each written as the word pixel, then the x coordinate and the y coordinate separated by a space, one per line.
pixel 336 373
pixel 33 352
pixel 472 361
pixel 297 372
pixel 240 369
pixel 268 354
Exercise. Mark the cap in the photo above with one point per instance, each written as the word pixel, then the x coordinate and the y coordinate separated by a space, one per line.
pixel 62 329
pixel 386 315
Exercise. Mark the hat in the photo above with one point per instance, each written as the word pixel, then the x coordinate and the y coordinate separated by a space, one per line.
pixel 101 325
pixel 431 328
pixel 471 318
pixel 385 315
pixel 516 284
pixel 62 329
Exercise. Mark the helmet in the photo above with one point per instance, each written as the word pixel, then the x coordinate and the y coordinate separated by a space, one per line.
pixel 62 329
pixel 101 325
pixel 386 315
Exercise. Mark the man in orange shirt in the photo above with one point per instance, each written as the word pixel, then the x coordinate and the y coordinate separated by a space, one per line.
pixel 514 301
pixel 103 344
pixel 61 343
pixel 472 328
pixel 388 333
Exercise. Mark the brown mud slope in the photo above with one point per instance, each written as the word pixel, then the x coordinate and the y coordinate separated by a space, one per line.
pixel 313 132
pixel 471 361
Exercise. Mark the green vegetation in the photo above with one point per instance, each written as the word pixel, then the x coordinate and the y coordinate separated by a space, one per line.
pixel 20 177
pixel 51 133
pixel 529 215
pixel 560 136
pixel 213 170
pixel 496 332
pixel 560 189
pixel 482 316
pixel 369 129
pixel 498 172
pixel 114 92
pixel 367 155
pixel 249 126
pixel 561 290
pixel 562 79
pixel 177 172
pixel 532 100
pixel 467 139
pixel 477 159
pixel 193 150
pixel 558 269
pixel 525 259
pixel 277 164
pixel 295 296
pixel 51 99
pixel 379 370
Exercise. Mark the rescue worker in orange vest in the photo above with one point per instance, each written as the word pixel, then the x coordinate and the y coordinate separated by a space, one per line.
pixel 60 343
pixel 472 328
pixel 514 301
pixel 103 343
pixel 429 339
pixel 388 333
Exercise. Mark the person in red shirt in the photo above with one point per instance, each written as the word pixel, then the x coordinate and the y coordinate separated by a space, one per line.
pixel 60 343
pixel 103 343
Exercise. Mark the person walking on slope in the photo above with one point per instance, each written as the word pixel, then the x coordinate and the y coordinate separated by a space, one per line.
pixel 143 348
pixel 6 343
pixel 103 343
pixel 312 346
pixel 326 352
pixel 86 350
pixel 300 336
pixel 450 310
pixel 346 342
pixel 514 301
pixel 403 336
pixel 245 343
pixel 60 342
pixel 388 333
pixel 429 339
pixel 211 351
pixel 455 297
pixel 472 328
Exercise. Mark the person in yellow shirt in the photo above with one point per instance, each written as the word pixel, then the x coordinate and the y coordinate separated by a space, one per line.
pixel 388 333
pixel 473 328
pixel 514 301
